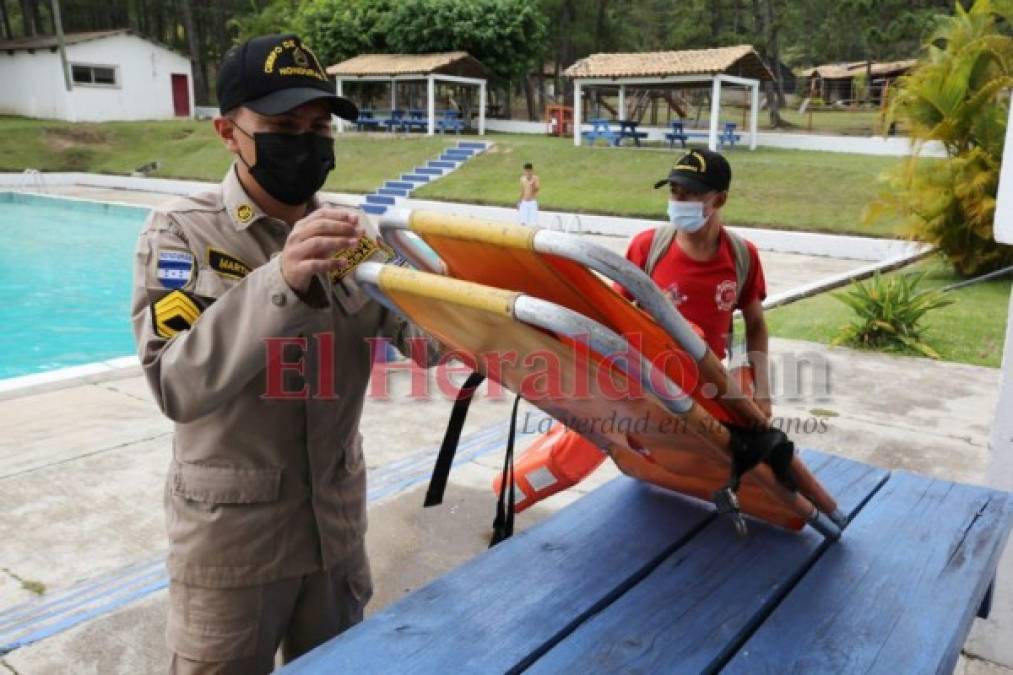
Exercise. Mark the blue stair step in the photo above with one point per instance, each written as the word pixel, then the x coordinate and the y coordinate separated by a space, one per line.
pixel 392 192
pixel 380 199
pixel 375 209
pixel 455 152
pixel 453 158
pixel 428 171
pixel 418 178
pixel 471 144
pixel 398 185
pixel 437 164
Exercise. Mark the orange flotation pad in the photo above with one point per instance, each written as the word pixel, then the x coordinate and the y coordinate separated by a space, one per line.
pixel 556 460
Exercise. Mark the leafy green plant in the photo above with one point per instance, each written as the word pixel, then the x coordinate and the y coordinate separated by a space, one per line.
pixel 955 96
pixel 889 313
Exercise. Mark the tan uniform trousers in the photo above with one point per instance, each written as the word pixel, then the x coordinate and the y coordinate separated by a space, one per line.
pixel 222 631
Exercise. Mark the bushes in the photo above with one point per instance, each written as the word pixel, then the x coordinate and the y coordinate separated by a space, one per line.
pixel 955 96
pixel 889 313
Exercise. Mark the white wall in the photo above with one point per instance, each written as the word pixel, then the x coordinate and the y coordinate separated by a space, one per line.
pixel 894 146
pixel 32 85
pixel 144 76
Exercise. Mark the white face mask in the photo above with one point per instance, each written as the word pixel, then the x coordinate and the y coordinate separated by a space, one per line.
pixel 686 216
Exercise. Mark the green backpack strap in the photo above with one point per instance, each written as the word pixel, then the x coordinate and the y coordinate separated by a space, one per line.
pixel 740 251
pixel 660 243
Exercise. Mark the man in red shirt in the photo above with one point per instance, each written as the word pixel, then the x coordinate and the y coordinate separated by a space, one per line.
pixel 700 266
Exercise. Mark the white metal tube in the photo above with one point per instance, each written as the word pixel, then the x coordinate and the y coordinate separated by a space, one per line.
pixel 481 109
pixel 712 139
pixel 576 111
pixel 754 114
pixel 431 105
pixel 339 90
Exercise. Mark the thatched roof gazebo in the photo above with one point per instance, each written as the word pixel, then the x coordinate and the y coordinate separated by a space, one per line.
pixel 455 67
pixel 738 65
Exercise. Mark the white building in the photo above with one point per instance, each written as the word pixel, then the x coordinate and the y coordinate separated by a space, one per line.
pixel 116 75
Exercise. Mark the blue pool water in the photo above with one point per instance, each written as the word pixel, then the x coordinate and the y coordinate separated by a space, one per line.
pixel 65 282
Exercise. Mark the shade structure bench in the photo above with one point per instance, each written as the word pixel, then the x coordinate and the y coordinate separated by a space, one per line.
pixel 632 578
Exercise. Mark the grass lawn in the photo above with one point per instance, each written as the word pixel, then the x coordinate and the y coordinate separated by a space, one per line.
pixel 971 330
pixel 189 149
pixel 792 189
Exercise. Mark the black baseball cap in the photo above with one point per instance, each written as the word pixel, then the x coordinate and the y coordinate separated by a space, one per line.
pixel 273 74
pixel 700 171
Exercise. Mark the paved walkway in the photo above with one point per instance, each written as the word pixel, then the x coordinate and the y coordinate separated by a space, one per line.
pixel 83 466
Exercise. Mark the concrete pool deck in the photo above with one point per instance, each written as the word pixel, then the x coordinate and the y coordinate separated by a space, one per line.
pixel 82 467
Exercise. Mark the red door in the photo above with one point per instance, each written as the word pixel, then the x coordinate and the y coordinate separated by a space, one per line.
pixel 180 96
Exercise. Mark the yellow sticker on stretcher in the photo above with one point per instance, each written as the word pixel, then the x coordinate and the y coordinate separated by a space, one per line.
pixel 366 249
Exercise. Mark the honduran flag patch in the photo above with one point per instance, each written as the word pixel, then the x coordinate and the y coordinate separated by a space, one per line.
pixel 174 268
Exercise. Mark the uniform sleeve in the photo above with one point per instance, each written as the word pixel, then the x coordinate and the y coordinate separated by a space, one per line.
pixel 196 355
pixel 636 253
pixel 756 284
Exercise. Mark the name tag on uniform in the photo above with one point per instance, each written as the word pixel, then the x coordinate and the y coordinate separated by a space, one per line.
pixel 174 268
pixel 227 265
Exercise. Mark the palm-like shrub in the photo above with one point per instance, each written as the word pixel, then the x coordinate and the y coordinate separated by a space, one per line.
pixel 956 96
pixel 889 313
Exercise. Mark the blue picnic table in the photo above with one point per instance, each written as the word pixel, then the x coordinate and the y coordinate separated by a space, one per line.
pixel 366 120
pixel 632 578
pixel 396 120
pixel 416 120
pixel 601 128
pixel 681 133
pixel 451 120
pixel 628 129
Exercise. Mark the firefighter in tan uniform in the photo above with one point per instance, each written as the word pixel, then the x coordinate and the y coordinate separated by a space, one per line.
pixel 265 497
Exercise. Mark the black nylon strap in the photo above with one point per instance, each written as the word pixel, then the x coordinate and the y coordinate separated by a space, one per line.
pixel 445 459
pixel 750 446
pixel 503 525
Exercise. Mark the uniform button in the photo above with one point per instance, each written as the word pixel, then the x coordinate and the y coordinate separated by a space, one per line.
pixel 278 299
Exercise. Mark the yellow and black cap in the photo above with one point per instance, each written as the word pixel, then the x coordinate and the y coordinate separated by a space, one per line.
pixel 700 171
pixel 273 74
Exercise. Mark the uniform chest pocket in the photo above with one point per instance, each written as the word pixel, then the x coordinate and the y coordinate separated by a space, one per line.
pixel 349 297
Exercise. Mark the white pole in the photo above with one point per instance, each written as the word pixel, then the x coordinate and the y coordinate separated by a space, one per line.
pixel 341 122
pixel 712 140
pixel 393 96
pixel 754 114
pixel 989 639
pixel 431 105
pixel 61 44
pixel 481 109
pixel 576 112
pixel 622 101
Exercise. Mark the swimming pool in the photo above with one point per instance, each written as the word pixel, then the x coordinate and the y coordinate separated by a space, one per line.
pixel 65 281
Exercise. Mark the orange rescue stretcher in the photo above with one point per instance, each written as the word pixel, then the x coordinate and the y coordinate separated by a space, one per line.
pixel 492 291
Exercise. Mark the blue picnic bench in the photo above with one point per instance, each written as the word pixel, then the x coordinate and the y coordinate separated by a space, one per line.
pixel 366 120
pixel 416 120
pixel 396 120
pixel 628 129
pixel 601 128
pixel 451 120
pixel 632 578
pixel 682 134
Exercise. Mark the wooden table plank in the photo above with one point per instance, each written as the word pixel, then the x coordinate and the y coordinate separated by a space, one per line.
pixel 692 612
pixel 500 610
pixel 900 592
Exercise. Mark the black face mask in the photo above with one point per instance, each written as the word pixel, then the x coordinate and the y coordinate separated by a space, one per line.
pixel 291 167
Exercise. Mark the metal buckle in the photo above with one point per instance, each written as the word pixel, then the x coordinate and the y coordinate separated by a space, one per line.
pixel 727 503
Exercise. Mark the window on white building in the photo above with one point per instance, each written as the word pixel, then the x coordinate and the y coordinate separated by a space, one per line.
pixel 94 75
